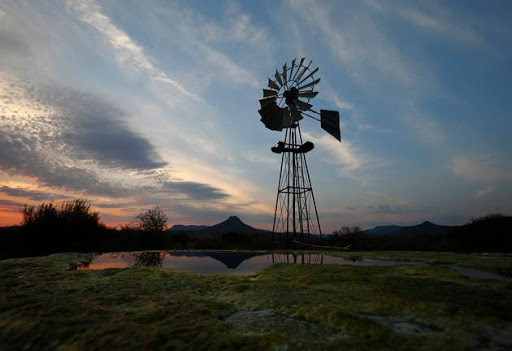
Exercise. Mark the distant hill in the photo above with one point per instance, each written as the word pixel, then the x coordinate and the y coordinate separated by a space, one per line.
pixel 232 224
pixel 382 230
pixel 425 228
pixel 187 228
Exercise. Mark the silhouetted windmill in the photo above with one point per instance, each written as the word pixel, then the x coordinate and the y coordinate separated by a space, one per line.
pixel 285 103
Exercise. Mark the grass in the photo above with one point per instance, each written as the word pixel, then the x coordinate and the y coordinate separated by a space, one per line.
pixel 44 305
pixel 500 263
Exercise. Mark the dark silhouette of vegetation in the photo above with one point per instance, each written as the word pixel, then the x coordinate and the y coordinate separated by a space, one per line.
pixel 153 220
pixel 492 232
pixel 73 227
pixel 346 236
pixel 73 215
pixel 68 226
pixel 150 224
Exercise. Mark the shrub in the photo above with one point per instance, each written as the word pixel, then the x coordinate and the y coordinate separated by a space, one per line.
pixel 70 215
pixel 69 226
pixel 153 220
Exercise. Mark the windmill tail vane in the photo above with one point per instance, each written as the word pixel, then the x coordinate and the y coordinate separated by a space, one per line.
pixel 285 102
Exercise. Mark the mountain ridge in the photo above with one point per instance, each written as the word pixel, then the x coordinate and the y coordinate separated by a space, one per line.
pixel 232 224
pixel 424 228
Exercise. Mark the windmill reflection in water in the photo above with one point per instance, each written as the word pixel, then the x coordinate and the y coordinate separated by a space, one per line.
pixel 295 258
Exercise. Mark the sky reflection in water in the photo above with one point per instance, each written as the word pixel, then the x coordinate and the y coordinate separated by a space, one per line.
pixel 239 263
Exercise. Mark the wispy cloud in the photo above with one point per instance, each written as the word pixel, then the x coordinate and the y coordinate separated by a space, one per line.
pixel 444 26
pixel 342 155
pixel 127 51
pixel 36 195
pixel 227 65
pixel 341 104
pixel 377 65
pixel 363 55
pixel 393 209
pixel 485 191
pixel 481 168
pixel 424 126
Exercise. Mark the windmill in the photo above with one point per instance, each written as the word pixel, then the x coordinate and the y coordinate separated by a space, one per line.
pixel 286 101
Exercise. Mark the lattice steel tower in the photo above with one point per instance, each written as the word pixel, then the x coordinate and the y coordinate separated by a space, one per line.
pixel 295 216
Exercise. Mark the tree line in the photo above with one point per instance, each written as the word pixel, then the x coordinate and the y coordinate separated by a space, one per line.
pixel 74 226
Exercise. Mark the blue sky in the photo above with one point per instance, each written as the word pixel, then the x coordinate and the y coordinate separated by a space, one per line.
pixel 135 104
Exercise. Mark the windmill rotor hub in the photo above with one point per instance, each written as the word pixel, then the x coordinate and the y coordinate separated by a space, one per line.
pixel 291 95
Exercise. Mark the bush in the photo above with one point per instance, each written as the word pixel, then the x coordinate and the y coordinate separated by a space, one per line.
pixel 70 225
pixel 488 233
pixel 153 220
pixel 346 236
pixel 73 215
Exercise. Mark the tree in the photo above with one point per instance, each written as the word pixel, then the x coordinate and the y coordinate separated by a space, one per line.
pixel 347 230
pixel 346 236
pixel 153 220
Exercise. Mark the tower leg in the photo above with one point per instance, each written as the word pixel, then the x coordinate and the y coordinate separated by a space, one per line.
pixel 295 215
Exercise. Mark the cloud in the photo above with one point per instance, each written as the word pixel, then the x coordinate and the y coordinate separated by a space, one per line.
pixel 127 51
pixel 485 191
pixel 376 65
pixel 425 127
pixel 96 128
pixel 232 70
pixel 341 104
pixel 210 43
pixel 481 168
pixel 10 206
pixel 73 140
pixel 342 155
pixel 444 26
pixel 27 193
pixel 367 54
pixel 51 124
pixel 235 27
pixel 392 209
pixel 195 191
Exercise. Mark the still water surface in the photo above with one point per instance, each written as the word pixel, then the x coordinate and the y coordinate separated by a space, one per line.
pixel 245 263
pixel 239 263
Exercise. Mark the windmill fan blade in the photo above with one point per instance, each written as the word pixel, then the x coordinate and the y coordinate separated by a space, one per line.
pixel 303 71
pixel 278 78
pixel 330 122
pixel 310 84
pixel 272 117
pixel 267 101
pixel 272 84
pixel 303 106
pixel 298 68
pixel 309 75
pixel 291 69
pixel 284 73
pixel 296 116
pixel 269 92
pixel 308 94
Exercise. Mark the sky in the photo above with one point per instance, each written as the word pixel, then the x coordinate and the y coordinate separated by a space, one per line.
pixel 135 104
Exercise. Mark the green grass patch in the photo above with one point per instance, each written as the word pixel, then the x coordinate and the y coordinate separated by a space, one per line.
pixel 500 263
pixel 45 305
